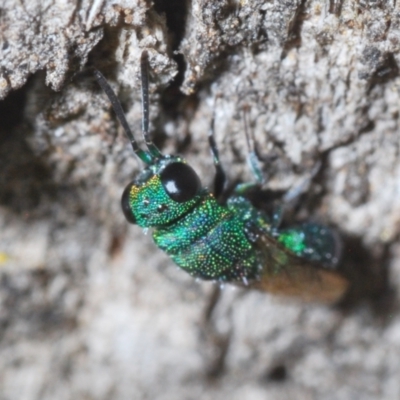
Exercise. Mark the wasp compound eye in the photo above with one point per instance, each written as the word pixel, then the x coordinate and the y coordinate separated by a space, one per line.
pixel 126 204
pixel 180 182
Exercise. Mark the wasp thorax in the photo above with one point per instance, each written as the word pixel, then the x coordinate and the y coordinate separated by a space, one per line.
pixel 163 197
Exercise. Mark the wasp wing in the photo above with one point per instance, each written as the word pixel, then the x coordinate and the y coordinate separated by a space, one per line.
pixel 284 273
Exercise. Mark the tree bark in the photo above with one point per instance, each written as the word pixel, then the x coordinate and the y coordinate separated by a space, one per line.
pixel 89 307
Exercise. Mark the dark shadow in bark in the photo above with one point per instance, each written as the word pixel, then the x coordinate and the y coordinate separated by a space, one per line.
pixel 23 175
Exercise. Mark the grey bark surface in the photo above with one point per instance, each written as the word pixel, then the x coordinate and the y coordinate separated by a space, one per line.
pixel 89 308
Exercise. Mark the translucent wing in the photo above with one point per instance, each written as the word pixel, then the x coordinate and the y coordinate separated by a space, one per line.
pixel 284 273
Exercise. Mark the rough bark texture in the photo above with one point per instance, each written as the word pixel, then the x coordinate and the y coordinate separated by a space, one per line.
pixel 89 308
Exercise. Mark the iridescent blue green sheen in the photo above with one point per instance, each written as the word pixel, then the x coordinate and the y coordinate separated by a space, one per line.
pixel 219 242
pixel 312 241
pixel 293 240
pixel 212 241
pixel 235 242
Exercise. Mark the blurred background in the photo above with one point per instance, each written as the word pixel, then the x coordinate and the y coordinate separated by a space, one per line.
pixel 89 308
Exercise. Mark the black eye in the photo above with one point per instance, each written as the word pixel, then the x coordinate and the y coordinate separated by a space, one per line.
pixel 126 206
pixel 180 182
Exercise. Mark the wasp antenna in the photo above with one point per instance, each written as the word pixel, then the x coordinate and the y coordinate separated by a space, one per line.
pixel 144 68
pixel 116 105
pixel 220 176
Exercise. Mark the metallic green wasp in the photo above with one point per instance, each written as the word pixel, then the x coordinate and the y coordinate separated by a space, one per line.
pixel 227 242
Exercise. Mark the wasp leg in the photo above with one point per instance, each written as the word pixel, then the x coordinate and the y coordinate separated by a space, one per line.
pixel 292 196
pixel 252 158
pixel 220 176
pixel 294 193
pixel 253 162
pixel 313 241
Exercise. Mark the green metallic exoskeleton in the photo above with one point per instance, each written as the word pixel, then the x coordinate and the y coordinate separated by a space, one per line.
pixel 232 242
